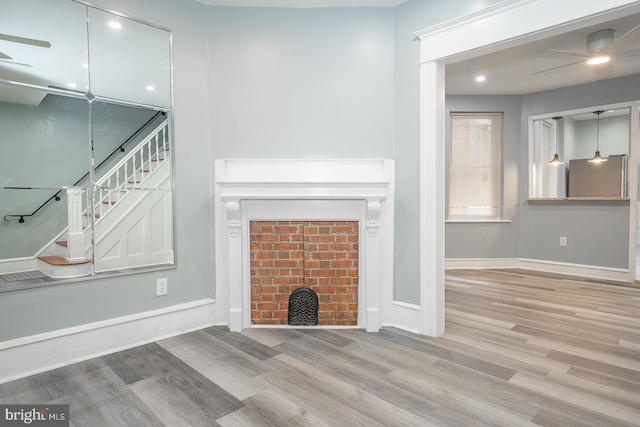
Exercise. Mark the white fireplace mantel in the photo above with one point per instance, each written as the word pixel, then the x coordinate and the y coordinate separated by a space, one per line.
pixel 254 190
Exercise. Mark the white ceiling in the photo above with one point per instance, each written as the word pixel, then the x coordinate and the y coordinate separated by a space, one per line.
pixel 508 71
pixel 304 3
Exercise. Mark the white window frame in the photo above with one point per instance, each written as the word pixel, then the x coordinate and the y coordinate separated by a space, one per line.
pixel 467 209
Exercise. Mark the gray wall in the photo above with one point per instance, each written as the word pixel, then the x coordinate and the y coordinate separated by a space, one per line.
pixel 492 239
pixel 598 233
pixel 301 83
pixel 614 137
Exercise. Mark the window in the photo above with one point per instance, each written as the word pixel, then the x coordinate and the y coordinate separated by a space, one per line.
pixel 475 171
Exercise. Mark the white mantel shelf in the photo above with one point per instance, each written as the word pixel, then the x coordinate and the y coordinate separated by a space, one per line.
pixel 344 189
pixel 303 190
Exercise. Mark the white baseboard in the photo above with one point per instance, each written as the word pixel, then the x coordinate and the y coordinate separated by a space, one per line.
pixel 406 316
pixel 590 271
pixel 17 265
pixel 26 356
pixel 480 263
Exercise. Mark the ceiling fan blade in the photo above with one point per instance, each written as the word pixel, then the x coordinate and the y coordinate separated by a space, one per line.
pixel 566 52
pixel 603 71
pixel 621 42
pixel 627 53
pixel 548 70
pixel 23 40
pixel 11 61
pixel 3 56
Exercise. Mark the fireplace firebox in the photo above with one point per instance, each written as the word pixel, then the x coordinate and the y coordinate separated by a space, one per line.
pixel 320 255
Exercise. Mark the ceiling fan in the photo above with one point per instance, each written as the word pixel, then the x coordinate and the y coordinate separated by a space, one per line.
pixel 15 39
pixel 601 49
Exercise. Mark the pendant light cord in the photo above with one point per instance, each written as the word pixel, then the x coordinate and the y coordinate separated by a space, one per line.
pixel 598 129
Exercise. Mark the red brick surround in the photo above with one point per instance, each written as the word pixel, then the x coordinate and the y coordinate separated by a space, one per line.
pixel 322 255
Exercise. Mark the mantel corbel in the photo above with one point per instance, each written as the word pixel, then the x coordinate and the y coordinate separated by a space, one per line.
pixel 232 208
pixel 374 209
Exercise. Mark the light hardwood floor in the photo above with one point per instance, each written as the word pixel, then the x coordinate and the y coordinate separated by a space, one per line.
pixel 520 349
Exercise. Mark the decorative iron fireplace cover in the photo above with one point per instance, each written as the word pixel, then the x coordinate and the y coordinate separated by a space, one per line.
pixel 303 307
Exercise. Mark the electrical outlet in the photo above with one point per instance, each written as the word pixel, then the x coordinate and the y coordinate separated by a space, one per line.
pixel 563 241
pixel 162 287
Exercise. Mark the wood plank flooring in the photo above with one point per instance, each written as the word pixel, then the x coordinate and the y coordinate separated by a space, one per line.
pixel 520 349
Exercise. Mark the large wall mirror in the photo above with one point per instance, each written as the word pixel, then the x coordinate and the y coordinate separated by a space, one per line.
pixel 86 181
pixel 581 154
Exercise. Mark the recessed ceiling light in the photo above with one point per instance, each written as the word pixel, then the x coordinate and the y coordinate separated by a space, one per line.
pixel 598 60
pixel 150 88
pixel 480 79
pixel 115 25
pixel 72 85
pixel 85 66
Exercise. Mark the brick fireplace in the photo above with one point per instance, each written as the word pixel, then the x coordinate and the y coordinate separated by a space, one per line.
pixel 320 255
pixel 324 224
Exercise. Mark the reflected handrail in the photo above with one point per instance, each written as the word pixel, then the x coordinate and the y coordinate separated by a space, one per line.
pixel 56 196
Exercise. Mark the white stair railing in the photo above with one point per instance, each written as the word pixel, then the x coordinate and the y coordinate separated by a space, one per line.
pixel 130 172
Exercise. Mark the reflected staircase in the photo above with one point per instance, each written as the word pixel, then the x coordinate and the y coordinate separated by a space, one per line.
pixel 96 214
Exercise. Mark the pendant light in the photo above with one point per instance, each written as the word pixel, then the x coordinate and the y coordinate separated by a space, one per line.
pixel 556 159
pixel 597 158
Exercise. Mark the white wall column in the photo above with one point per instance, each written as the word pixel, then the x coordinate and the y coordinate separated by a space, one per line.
pixel 432 200
pixel 372 264
pixel 234 214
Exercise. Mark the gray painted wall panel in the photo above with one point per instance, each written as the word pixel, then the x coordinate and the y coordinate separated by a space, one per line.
pixel 598 233
pixel 490 240
pixel 301 83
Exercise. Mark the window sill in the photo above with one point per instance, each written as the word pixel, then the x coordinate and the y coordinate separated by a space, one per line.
pixel 477 221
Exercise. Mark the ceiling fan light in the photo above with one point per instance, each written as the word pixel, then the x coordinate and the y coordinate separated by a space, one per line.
pixel 556 160
pixel 596 60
